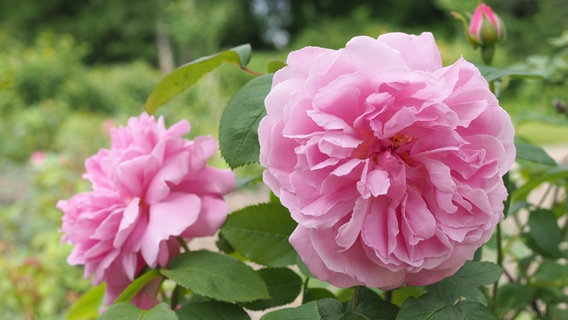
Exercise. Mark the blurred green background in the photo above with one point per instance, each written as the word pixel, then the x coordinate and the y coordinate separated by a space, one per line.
pixel 69 70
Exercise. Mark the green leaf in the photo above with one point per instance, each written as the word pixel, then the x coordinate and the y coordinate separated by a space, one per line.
pixel 429 307
pixel 313 294
pixel 284 285
pixel 275 65
pixel 533 153
pixel 475 274
pixel 261 234
pixel 238 130
pixel 330 309
pixel 551 274
pixel 212 310
pixel 475 311
pixel 514 296
pixel 545 232
pixel 553 174
pixel 89 304
pixel 491 73
pixel 137 285
pixel 308 311
pixel 377 310
pixel 187 75
pixel 216 276
pixel 400 295
pixel 127 311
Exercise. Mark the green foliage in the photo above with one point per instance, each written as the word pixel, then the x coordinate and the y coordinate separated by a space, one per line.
pixel 238 131
pixel 126 311
pixel 186 76
pixel 284 285
pixel 216 276
pixel 261 233
pixel 212 310
pixel 88 306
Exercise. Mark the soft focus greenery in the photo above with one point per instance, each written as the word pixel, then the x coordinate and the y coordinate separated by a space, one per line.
pixel 69 70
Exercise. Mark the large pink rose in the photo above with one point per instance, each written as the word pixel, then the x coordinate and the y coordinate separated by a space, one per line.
pixel 151 187
pixel 390 163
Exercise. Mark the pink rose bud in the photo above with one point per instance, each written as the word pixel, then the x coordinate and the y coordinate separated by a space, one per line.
pixel 485 27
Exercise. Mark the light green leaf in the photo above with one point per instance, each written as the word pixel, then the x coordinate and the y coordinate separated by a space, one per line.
pixel 89 304
pixel 533 153
pixel 127 311
pixel 212 310
pixel 261 234
pixel 275 65
pixel 551 274
pixel 284 285
pixel 429 307
pixel 217 276
pixel 491 73
pixel 238 130
pixel 137 285
pixel 550 175
pixel 187 75
pixel 545 232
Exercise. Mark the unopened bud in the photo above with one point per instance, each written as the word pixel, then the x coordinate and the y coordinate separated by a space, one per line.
pixel 485 27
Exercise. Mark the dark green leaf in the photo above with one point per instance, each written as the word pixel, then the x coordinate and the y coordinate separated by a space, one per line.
pixel 216 276
pixel 261 234
pixel 224 245
pixel 475 311
pixel 127 311
pixel 491 73
pixel 187 75
pixel 330 309
pixel 533 153
pixel 284 285
pixel 377 310
pixel 313 294
pixel 89 304
pixel 551 274
pixel 514 296
pixel 308 311
pixel 429 307
pixel 545 232
pixel 137 285
pixel 238 130
pixel 212 310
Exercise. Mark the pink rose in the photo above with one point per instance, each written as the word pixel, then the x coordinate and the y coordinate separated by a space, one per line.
pixel 149 188
pixel 390 163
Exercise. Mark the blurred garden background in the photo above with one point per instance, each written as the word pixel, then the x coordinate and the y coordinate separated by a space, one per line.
pixel 70 70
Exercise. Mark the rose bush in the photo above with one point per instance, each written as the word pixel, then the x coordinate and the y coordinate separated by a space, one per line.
pixel 390 163
pixel 151 187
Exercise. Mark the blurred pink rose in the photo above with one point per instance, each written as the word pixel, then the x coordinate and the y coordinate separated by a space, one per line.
pixel 149 188
pixel 390 163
